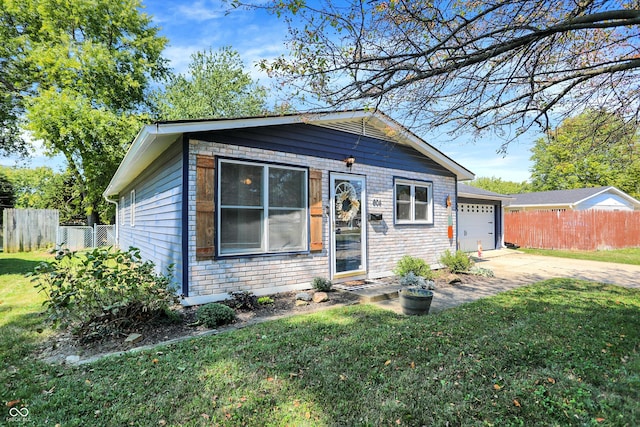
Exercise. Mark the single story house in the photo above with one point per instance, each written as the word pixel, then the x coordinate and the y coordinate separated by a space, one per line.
pixel 265 204
pixel 579 199
pixel 480 218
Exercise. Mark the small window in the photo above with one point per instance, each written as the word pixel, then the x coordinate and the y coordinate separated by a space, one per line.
pixel 414 202
pixel 132 208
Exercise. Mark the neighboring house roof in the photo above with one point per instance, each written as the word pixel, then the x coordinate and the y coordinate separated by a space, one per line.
pixel 570 198
pixel 154 139
pixel 472 192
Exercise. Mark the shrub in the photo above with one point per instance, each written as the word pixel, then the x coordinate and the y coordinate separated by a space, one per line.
pixel 411 280
pixel 103 291
pixel 459 262
pixel 242 300
pixel 265 300
pixel 417 266
pixel 215 314
pixel 321 284
pixel 483 272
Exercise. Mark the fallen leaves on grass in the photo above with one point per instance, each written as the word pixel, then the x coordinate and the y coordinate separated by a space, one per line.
pixel 13 403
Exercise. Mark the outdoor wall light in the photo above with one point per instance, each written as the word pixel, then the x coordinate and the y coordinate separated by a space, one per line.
pixel 349 161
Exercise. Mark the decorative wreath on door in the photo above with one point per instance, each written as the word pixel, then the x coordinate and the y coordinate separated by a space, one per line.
pixel 347 203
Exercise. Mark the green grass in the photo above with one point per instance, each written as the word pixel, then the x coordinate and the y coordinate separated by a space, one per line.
pixel 560 352
pixel 19 305
pixel 622 256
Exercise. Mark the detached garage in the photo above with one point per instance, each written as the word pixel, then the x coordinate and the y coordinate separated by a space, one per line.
pixel 480 218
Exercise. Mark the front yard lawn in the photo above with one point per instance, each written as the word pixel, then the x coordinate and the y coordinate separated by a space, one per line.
pixel 560 352
pixel 621 256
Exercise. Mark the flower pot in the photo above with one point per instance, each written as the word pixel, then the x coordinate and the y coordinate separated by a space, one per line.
pixel 415 301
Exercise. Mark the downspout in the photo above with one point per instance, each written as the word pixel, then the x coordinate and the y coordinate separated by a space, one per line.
pixel 185 216
pixel 117 243
pixel 457 237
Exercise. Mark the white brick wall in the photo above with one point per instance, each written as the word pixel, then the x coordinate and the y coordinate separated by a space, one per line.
pixel 211 280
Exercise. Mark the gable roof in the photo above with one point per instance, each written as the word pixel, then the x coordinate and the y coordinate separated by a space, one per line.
pixel 472 192
pixel 154 139
pixel 566 197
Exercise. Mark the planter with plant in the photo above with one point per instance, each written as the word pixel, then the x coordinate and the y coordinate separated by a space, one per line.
pixel 415 278
pixel 415 301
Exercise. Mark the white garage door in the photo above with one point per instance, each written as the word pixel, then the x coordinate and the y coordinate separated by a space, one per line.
pixel 476 222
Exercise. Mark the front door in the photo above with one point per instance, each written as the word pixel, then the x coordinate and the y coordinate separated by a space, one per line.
pixel 348 226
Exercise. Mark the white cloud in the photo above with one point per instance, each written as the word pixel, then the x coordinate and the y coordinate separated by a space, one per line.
pixel 201 11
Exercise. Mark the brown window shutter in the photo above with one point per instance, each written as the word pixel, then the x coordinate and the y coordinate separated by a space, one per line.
pixel 205 169
pixel 315 209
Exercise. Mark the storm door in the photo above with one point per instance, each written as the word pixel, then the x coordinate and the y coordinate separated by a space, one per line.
pixel 348 226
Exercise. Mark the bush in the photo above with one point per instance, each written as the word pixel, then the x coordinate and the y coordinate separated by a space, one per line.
pixel 242 300
pixel 459 262
pixel 417 266
pixel 103 291
pixel 411 280
pixel 215 314
pixel 321 284
pixel 484 272
pixel 265 300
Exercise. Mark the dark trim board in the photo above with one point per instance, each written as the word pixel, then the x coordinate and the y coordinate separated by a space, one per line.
pixel 185 216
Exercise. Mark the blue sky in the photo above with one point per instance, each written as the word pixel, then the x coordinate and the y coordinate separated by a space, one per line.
pixel 191 26
pixel 196 25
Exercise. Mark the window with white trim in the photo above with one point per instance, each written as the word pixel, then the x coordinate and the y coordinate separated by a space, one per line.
pixel 413 202
pixel 132 208
pixel 262 208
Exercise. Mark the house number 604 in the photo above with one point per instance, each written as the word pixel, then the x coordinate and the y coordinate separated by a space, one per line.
pixel 377 203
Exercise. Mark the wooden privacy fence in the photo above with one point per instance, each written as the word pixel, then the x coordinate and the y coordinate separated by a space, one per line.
pixel 582 230
pixel 29 229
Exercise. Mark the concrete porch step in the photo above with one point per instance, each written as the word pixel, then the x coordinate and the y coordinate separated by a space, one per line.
pixel 376 293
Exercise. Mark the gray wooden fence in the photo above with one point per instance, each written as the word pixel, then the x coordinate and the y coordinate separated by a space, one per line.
pixel 29 229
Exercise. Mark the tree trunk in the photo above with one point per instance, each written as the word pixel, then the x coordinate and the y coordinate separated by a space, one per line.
pixel 93 218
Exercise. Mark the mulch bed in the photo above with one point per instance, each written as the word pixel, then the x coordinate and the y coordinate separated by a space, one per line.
pixel 62 345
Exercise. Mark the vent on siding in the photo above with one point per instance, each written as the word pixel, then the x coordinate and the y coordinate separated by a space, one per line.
pixel 358 129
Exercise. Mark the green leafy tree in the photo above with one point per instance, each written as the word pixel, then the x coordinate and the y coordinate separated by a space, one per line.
pixel 497 185
pixel 31 185
pixel 7 193
pixel 471 65
pixel 590 150
pixel 77 73
pixel 14 82
pixel 215 85
pixel 43 188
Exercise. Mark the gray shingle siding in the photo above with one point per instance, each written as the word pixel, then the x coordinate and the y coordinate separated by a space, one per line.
pixel 158 217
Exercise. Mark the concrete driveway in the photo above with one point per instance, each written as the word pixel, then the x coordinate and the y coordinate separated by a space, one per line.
pixel 514 269
pixel 510 264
